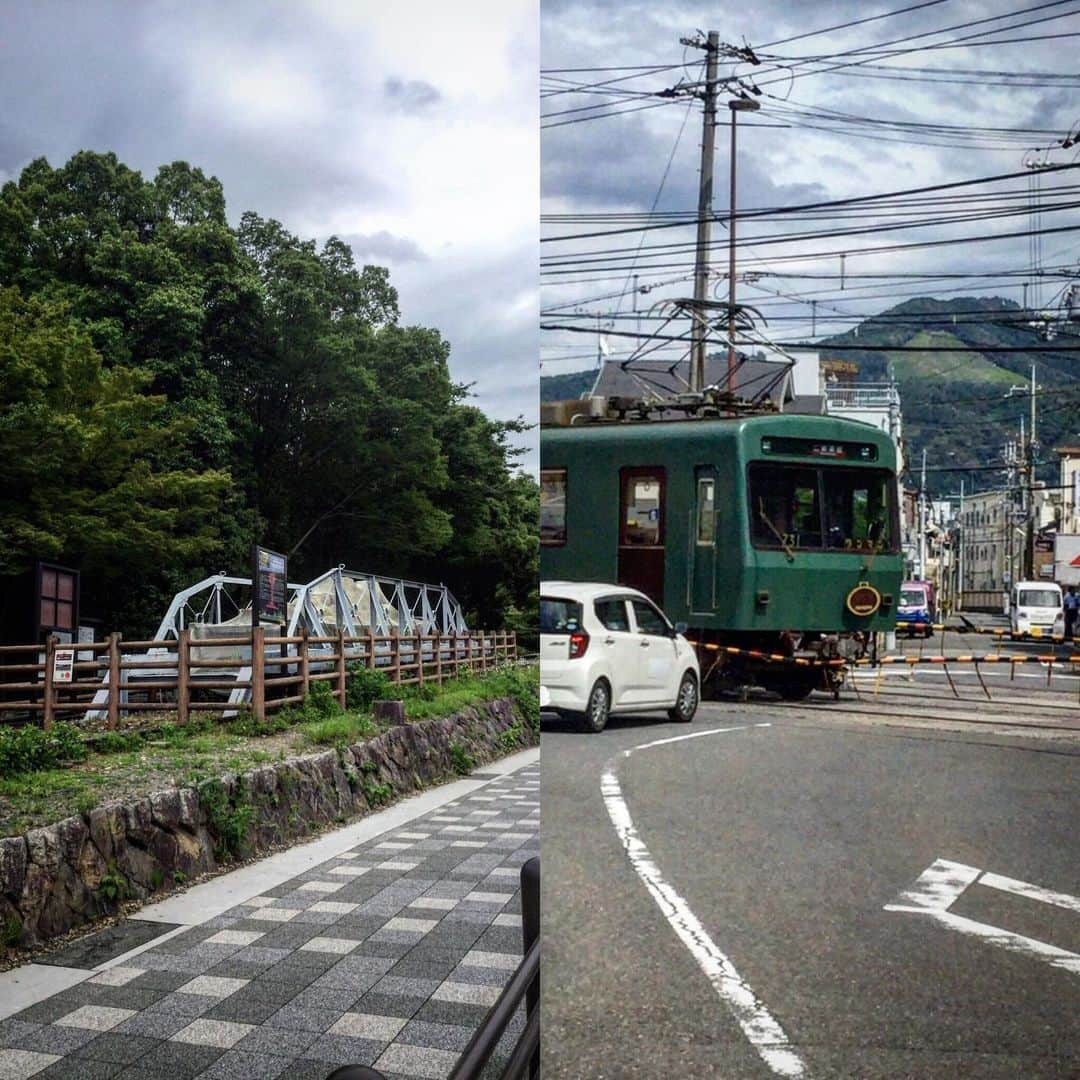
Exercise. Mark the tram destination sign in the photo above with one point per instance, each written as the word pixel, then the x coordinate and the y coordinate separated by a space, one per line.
pixel 819 448
pixel 268 578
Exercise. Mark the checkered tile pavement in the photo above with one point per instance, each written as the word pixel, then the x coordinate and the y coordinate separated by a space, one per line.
pixel 388 955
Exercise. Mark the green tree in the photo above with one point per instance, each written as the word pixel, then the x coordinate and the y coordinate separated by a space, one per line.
pixel 81 445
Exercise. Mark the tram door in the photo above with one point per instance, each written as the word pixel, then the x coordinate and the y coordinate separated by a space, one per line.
pixel 641 530
pixel 702 572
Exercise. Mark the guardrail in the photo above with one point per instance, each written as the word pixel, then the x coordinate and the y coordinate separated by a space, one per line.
pixel 117 679
pixel 523 987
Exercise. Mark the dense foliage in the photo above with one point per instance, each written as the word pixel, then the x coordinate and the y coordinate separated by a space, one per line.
pixel 173 389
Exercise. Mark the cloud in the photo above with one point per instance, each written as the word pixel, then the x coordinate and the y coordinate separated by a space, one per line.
pixel 412 96
pixel 384 246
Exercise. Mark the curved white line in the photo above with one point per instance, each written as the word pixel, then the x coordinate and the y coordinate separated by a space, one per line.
pixel 757 1023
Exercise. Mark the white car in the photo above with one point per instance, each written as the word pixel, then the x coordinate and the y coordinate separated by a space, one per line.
pixel 1035 606
pixel 607 649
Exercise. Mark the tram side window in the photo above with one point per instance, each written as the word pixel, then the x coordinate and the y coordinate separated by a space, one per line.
pixel 553 506
pixel 785 511
pixel 858 510
pixel 706 510
pixel 642 509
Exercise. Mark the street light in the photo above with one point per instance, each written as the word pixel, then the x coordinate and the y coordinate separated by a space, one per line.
pixel 736 105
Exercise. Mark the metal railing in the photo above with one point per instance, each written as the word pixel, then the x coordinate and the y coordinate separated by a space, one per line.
pixel 523 987
pixel 862 396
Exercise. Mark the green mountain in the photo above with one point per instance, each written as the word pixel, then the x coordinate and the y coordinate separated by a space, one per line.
pixel 564 387
pixel 953 400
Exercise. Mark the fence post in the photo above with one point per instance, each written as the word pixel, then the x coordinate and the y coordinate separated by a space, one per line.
pixel 114 681
pixel 183 684
pixel 438 657
pixel 341 666
pixel 258 673
pixel 419 659
pixel 305 671
pixel 530 931
pixel 513 645
pixel 370 653
pixel 395 645
pixel 47 688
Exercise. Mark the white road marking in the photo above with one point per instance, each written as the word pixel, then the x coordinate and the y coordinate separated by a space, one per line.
pixel 758 1025
pixel 937 886
pixel 1032 892
pixel 941 884
pixel 1006 939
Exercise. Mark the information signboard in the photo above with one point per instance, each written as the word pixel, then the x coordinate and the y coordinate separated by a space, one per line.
pixel 269 576
pixel 63 665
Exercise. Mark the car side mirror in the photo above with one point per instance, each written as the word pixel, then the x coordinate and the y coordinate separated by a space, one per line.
pixel 681 628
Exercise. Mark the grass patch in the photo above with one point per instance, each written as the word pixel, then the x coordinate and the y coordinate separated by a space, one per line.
pixel 340 730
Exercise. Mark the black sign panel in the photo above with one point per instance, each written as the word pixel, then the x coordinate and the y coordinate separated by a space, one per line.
pixel 269 575
pixel 819 448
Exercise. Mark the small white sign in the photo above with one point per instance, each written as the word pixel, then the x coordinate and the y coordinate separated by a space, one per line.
pixel 63 665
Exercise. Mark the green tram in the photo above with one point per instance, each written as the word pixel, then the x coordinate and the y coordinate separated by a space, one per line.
pixel 774 532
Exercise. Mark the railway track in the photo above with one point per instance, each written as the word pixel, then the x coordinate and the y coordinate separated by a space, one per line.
pixel 926 698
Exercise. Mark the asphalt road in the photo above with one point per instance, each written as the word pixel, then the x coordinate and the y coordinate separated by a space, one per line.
pixel 771 853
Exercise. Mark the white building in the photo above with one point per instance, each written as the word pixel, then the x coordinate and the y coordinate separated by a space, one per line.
pixel 1069 484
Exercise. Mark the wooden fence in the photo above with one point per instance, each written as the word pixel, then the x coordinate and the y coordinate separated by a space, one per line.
pixel 114 679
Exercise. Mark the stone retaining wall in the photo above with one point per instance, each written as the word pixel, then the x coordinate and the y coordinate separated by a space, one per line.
pixel 64 875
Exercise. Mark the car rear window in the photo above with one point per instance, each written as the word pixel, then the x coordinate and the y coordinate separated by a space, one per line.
pixel 559 616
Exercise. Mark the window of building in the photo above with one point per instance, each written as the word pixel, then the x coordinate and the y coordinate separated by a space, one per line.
pixel 56 599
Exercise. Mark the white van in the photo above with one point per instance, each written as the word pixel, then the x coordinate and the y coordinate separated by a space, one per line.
pixel 1035 606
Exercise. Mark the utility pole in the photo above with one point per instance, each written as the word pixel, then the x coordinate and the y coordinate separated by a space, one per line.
pixel 704 222
pixel 922 518
pixel 1028 445
pixel 735 106
pixel 1029 546
pixel 962 539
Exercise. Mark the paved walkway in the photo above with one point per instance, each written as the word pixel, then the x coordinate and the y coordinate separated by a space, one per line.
pixel 383 943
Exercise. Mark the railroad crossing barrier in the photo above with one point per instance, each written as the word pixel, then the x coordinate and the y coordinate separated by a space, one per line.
pixel 522 988
pixel 1048 660
pixel 1012 635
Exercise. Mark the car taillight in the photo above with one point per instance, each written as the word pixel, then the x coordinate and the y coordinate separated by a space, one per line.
pixel 579 642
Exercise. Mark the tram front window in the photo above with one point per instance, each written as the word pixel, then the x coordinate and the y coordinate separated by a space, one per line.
pixel 858 509
pixel 785 507
pixel 828 508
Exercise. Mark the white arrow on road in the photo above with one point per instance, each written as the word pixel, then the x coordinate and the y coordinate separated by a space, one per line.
pixel 941 884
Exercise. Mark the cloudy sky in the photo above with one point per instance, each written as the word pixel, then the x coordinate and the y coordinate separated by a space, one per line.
pixel 993 88
pixel 407 129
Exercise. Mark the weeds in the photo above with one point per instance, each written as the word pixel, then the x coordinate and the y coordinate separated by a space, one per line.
pixel 11 934
pixel 461 760
pixel 31 749
pixel 229 819
pixel 113 885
